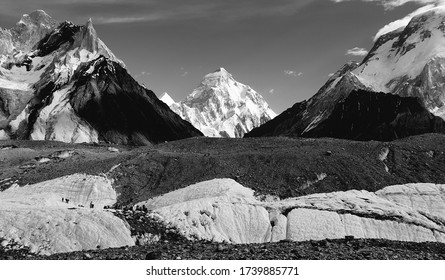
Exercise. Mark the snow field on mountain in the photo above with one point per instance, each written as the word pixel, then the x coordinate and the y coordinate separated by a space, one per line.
pixel 391 63
pixel 58 122
pixel 55 216
pixel 21 79
pixel 223 210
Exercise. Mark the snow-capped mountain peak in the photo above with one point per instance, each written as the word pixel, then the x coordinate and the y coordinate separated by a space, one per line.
pixel 26 33
pixel 219 78
pixel 54 81
pixel 410 61
pixel 397 91
pixel 220 73
pixel 223 107
pixel 167 99
pixel 37 18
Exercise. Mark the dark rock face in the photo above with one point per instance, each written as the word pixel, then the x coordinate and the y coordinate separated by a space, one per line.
pixel 377 116
pixel 362 115
pixel 42 97
pixel 295 120
pixel 284 124
pixel 63 34
pixel 122 111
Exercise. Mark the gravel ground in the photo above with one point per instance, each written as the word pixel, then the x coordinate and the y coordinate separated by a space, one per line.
pixel 339 249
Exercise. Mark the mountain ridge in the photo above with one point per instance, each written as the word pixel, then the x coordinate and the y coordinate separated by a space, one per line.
pixel 42 91
pixel 407 63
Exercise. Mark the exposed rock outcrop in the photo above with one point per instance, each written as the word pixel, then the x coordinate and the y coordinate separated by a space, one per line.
pixel 377 116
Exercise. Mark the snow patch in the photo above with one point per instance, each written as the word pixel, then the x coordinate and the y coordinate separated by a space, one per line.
pixel 19 78
pixel 309 183
pixel 314 122
pixel 23 116
pixel 113 149
pixel 166 98
pixel 4 135
pixel 383 155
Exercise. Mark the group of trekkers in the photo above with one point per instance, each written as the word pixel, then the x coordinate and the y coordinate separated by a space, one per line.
pixel 66 200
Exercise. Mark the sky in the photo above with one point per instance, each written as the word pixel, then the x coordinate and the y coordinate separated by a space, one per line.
pixel 283 49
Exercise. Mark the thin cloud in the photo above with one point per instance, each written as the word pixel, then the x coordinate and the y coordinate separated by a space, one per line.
pixel 113 20
pixel 184 73
pixel 129 11
pixel 292 73
pixel 272 91
pixel 357 52
pixel 403 22
pixel 143 73
pixel 391 4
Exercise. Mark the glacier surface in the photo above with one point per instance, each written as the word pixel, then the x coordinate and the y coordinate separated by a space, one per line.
pixel 55 216
pixel 223 210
